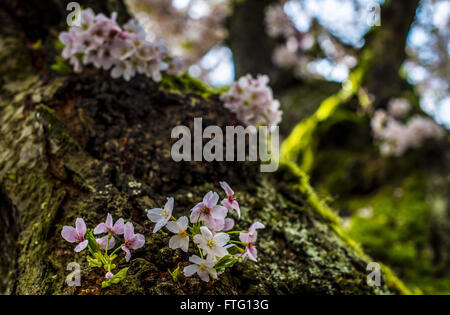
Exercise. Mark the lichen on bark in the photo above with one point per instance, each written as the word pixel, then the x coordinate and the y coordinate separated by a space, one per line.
pixel 87 145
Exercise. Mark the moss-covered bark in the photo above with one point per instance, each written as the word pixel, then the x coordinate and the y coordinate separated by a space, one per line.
pixel 393 203
pixel 85 145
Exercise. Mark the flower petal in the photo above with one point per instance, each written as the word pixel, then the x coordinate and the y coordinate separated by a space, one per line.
pixel 195 259
pixel 119 226
pixel 81 246
pixel 175 242
pixel 206 233
pixel 128 231
pixel 221 239
pixel 227 188
pixel 195 214
pixel 173 227
pixel 219 212
pixel 159 225
pixel 109 221
pixel 169 205
pixel 127 253
pixel 155 215
pixel 81 226
pixel 211 199
pixel 229 223
pixel 183 223
pixel 185 244
pixel 137 241
pixel 190 270
pixel 69 234
pixel 203 274
pixel 256 225
pixel 100 229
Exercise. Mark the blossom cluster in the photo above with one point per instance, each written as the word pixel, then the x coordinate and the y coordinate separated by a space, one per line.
pixel 397 137
pixel 251 99
pixel 293 53
pixel 99 247
pixel 190 28
pixel 209 233
pixel 101 42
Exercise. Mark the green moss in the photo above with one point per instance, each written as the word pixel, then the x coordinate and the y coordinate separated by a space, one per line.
pixel 292 173
pixel 186 84
pixel 392 225
pixel 299 147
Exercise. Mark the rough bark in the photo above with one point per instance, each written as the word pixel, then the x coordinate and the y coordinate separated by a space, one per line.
pixel 85 145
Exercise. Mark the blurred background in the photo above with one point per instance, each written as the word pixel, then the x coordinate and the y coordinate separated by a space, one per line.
pixel 364 86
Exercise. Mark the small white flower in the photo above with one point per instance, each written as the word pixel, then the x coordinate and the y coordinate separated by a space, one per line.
pixel 212 245
pixel 203 267
pixel 181 239
pixel 161 216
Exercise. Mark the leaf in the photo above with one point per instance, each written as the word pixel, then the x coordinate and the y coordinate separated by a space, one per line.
pixel 226 262
pixel 119 276
pixel 93 262
pixel 174 274
pixel 61 66
pixel 37 45
pixel 92 243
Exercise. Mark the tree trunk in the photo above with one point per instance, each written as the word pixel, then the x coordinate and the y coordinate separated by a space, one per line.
pixel 406 196
pixel 87 145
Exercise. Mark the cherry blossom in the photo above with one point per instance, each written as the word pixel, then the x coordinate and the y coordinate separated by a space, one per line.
pixel 181 239
pixel 132 240
pixel 161 216
pixel 230 202
pixel 208 212
pixel 212 245
pixel 203 267
pixel 76 235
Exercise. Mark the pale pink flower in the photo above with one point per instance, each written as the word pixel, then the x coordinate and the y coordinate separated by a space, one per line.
pixel 132 240
pixel 208 212
pixel 229 224
pixel 76 235
pixel 203 267
pixel 161 216
pixel 251 99
pixel 123 69
pixel 181 239
pixel 212 245
pixel 230 202
pixel 249 239
pixel 112 229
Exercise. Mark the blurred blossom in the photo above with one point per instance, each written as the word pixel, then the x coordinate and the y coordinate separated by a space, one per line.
pixel 396 137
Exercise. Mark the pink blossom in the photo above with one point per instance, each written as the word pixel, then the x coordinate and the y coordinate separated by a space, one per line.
pixel 100 41
pixel 229 224
pixel 132 240
pixel 111 229
pixel 181 239
pixel 161 216
pixel 230 202
pixel 212 245
pixel 76 235
pixel 208 212
pixel 203 267
pixel 249 239
pixel 251 99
